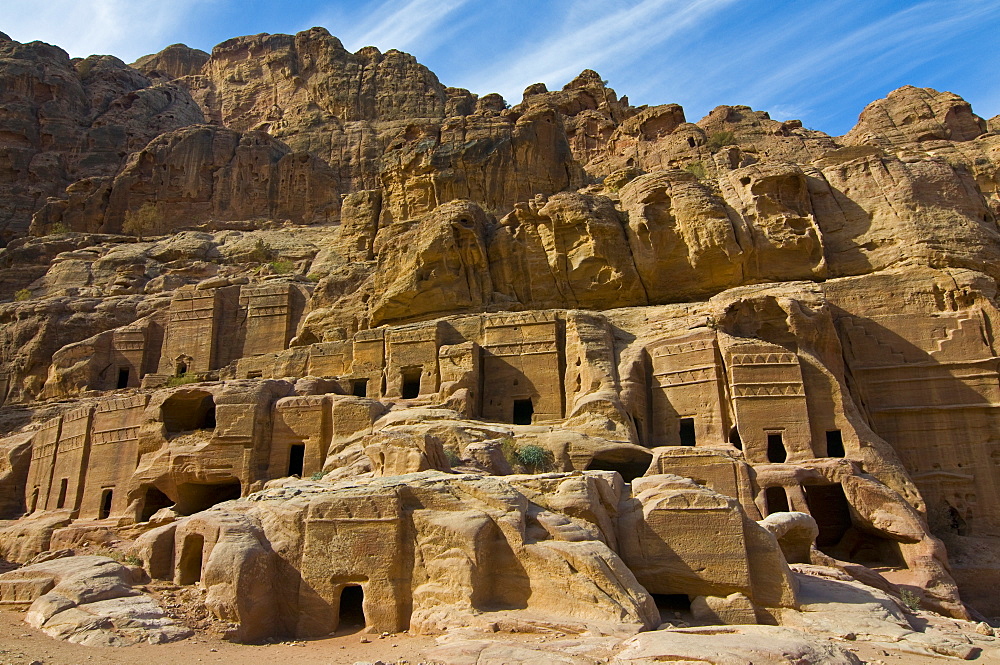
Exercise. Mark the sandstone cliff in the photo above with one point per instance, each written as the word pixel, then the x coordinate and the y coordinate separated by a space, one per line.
pixel 284 320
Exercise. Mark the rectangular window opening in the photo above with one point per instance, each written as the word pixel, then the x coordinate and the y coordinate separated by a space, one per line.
pixel 687 433
pixel 359 388
pixel 123 373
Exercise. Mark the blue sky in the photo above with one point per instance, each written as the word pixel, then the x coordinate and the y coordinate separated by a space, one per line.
pixel 817 61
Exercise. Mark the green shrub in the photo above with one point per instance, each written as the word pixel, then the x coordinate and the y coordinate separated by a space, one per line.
pixel 697 169
pixel 59 227
pixel 262 252
pixel 181 380
pixel 452 457
pixel 318 475
pixel 22 295
pixel 719 140
pixel 314 277
pixel 132 560
pixel 509 450
pixel 282 267
pixel 910 599
pixel 534 458
pixel 144 221
pixel 110 553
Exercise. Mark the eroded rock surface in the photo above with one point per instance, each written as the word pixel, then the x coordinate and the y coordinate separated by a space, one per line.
pixel 313 332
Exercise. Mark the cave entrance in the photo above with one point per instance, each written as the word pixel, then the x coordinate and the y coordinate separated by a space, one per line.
pixel 107 496
pixel 776 499
pixel 776 448
pixel 828 506
pixel 629 469
pixel 296 459
pixel 672 606
pixel 359 388
pixel 840 538
pixel 523 412
pixel 352 608
pixel 189 566
pixel 196 497
pixel 153 501
pixel 834 444
pixel 734 438
pixel 123 373
pixel 188 411
pixel 411 383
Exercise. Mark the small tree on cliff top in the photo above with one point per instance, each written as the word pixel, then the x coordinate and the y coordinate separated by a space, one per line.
pixel 141 222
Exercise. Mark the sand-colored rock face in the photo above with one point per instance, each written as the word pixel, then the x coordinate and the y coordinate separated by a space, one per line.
pixel 393 349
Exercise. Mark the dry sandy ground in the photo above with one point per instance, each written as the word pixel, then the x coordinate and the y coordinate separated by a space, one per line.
pixel 23 645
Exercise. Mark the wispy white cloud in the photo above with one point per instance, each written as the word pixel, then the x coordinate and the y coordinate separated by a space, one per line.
pixel 624 35
pixel 404 26
pixel 127 29
pixel 909 35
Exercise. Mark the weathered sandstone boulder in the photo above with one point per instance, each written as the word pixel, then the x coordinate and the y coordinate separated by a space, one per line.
pixel 89 600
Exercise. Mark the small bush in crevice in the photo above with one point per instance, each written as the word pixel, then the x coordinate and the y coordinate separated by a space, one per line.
pixel 910 600
pixel 281 267
pixel 262 252
pixel 697 169
pixel 719 140
pixel 181 380
pixel 534 458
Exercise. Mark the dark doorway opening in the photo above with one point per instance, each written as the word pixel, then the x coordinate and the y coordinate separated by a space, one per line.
pixel 359 388
pixel 296 459
pixel 777 500
pixel 776 448
pixel 687 432
pixel 123 377
pixel 63 487
pixel 196 497
pixel 523 411
pixel 189 567
pixel 734 438
pixel 182 368
pixel 34 500
pixel 153 501
pixel 956 522
pixel 352 608
pixel 411 383
pixel 834 444
pixel 188 411
pixel 106 499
